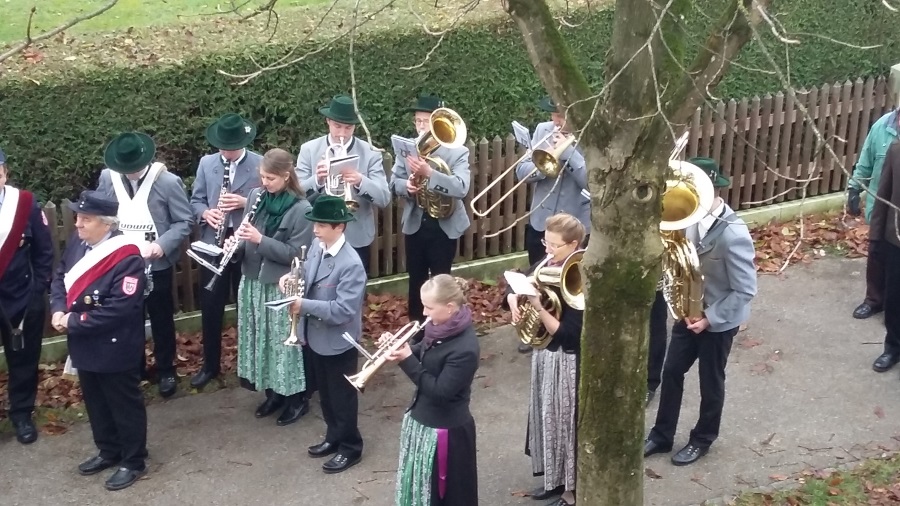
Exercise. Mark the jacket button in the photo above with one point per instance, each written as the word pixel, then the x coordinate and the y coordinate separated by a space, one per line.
pixel 114 339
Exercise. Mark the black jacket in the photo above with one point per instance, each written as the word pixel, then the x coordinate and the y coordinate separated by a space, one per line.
pixel 443 377
pixel 568 335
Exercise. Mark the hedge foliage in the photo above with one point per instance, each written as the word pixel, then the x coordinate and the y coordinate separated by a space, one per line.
pixel 54 132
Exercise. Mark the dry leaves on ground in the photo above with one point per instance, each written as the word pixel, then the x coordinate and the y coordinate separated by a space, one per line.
pixel 820 234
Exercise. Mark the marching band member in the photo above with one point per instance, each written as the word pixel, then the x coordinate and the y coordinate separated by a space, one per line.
pixel 438 465
pixel 568 195
pixel 269 245
pixel 154 209
pixel 219 198
pixel 97 297
pixel 369 182
pixel 554 374
pixel 726 254
pixel 26 263
pixel 333 302
pixel 431 242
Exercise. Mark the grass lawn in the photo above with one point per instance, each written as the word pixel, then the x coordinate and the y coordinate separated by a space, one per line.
pixel 125 14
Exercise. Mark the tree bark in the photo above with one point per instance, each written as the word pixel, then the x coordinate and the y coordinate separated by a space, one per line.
pixel 625 133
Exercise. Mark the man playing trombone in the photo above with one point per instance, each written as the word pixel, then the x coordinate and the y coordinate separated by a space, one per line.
pixel 367 186
pixel 566 193
pixel 332 305
pixel 432 232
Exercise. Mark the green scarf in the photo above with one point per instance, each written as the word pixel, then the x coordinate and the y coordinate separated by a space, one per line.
pixel 274 206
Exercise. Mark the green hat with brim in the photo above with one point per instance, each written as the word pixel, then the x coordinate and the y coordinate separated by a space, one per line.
pixel 329 209
pixel 341 110
pixel 129 152
pixel 231 131
pixel 547 104
pixel 427 103
pixel 711 168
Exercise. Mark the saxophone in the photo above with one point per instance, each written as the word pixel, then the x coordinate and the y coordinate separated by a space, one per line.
pixel 228 253
pixel 294 287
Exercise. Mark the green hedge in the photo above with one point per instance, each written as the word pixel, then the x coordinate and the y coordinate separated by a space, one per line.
pixel 53 133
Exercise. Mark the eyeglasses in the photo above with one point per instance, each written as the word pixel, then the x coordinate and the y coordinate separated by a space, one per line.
pixel 421 121
pixel 553 246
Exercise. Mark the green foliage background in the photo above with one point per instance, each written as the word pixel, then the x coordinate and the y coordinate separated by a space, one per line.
pixel 53 133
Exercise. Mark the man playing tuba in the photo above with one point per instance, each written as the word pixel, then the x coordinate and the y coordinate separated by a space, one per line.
pixel 431 237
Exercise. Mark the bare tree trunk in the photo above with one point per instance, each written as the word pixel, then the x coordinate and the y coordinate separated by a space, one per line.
pixel 625 132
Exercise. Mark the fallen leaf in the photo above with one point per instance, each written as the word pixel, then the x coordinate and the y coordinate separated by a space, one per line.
pixel 879 412
pixel 652 474
pixel 777 477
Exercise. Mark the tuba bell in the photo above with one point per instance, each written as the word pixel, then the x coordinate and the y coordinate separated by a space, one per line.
pixel 334 183
pixel 553 283
pixel 445 128
pixel 688 197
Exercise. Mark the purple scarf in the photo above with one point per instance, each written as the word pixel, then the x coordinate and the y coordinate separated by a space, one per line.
pixel 456 324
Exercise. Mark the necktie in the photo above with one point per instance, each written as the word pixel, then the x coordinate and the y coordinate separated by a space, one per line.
pixel 128 186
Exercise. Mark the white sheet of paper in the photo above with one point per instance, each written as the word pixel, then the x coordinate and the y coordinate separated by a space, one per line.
pixel 523 135
pixel 404 147
pixel 279 304
pixel 519 283
pixel 207 249
pixel 338 165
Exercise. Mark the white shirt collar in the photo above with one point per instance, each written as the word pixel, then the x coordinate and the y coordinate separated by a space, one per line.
pixel 2 194
pixel 333 250
pixel 105 237
pixel 710 219
pixel 238 161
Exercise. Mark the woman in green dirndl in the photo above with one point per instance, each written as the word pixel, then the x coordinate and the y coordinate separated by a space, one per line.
pixel 269 244
pixel 437 440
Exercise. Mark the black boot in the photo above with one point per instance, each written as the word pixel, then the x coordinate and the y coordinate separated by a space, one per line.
pixel 272 403
pixel 297 405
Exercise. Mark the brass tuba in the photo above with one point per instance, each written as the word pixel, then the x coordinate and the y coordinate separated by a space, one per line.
pixel 551 282
pixel 445 128
pixel 689 197
pixel 374 361
pixel 334 183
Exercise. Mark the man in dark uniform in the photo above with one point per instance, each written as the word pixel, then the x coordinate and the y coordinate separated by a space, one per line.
pixel 26 262
pixel 97 297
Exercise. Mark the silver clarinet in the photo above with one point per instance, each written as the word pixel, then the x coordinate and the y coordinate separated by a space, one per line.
pixel 294 287
pixel 229 252
pixel 148 270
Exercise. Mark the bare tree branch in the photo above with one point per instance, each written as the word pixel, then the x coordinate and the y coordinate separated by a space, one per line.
pixel 726 40
pixel 29 40
pixel 269 7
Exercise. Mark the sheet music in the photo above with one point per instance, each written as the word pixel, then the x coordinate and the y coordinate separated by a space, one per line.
pixel 338 165
pixel 279 304
pixel 208 249
pixel 404 147
pixel 523 135
pixel 519 283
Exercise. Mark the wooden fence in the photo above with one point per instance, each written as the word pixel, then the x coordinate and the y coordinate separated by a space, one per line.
pixel 765 144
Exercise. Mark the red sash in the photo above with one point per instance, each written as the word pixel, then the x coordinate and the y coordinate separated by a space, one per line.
pixel 96 264
pixel 14 226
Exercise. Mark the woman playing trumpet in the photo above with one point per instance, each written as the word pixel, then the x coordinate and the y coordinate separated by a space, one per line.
pixel 550 440
pixel 437 441
pixel 269 244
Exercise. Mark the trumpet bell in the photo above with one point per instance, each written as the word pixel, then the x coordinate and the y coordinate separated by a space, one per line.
pixel 688 197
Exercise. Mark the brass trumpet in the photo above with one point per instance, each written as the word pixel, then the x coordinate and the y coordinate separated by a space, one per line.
pixel 374 361
pixel 335 184
pixel 295 287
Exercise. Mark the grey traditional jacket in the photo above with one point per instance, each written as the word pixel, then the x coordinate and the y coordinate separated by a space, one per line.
pixel 727 262
pixel 332 304
pixel 569 196
pixel 170 209
pixel 272 257
pixel 208 186
pixel 373 189
pixel 455 185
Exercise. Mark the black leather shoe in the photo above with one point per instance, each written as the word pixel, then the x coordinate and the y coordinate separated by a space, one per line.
pixel 864 311
pixel 688 455
pixel 322 449
pixel 560 502
pixel 167 385
pixel 292 412
pixel 524 348
pixel 124 478
pixel 94 465
pixel 270 405
pixel 341 462
pixel 539 494
pixel 652 447
pixel 650 395
pixel 885 361
pixel 26 432
pixel 202 378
